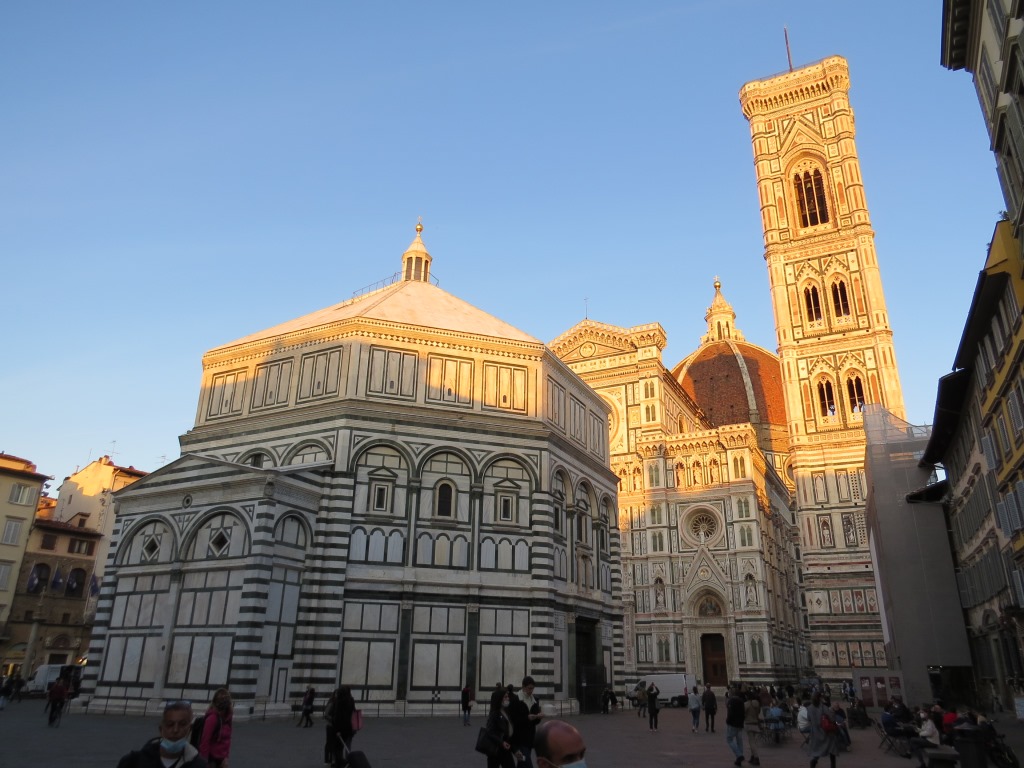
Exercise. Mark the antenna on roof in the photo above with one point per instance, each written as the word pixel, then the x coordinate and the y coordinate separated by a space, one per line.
pixel 789 56
pixel 586 308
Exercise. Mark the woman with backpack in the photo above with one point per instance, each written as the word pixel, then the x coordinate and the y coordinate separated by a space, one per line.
pixel 215 730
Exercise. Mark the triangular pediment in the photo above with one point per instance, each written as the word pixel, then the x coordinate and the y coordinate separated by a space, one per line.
pixel 704 573
pixel 592 339
pixel 801 133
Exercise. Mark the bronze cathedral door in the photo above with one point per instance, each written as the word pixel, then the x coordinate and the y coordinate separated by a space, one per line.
pixel 712 654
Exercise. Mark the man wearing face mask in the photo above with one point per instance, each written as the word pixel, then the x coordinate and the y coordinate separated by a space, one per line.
pixel 171 749
pixel 559 745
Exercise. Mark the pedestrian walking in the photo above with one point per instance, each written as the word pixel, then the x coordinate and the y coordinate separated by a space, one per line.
pixel 824 731
pixel 710 704
pixel 308 698
pixel 641 702
pixel 693 704
pixel 752 724
pixel 734 714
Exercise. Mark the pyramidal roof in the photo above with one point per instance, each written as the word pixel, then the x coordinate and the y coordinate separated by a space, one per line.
pixel 411 301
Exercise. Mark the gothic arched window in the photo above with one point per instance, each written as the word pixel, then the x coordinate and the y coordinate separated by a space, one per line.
pixel 826 399
pixel 810 198
pixel 840 301
pixel 812 304
pixel 855 391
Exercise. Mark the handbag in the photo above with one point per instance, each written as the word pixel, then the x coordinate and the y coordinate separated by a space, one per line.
pixel 486 743
pixel 828 725
pixel 357 719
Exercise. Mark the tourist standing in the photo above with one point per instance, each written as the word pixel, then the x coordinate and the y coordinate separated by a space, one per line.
pixel 215 742
pixel 653 706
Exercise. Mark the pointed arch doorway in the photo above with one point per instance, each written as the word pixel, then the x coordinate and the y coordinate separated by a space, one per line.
pixel 712 657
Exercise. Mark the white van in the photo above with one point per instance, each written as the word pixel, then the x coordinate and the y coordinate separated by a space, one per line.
pixel 46 674
pixel 673 687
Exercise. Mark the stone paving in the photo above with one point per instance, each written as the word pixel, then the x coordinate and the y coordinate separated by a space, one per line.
pixel 620 739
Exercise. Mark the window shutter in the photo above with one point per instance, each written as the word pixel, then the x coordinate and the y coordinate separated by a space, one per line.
pixel 1020 507
pixel 1004 522
pixel 1015 412
pixel 1018 587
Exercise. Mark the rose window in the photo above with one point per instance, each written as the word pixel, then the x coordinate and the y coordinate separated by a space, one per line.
pixel 703 526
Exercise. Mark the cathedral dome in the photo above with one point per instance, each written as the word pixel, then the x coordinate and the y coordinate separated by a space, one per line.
pixel 730 379
pixel 734 382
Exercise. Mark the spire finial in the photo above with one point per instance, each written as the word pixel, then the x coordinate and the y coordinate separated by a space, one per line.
pixel 419 224
pixel 718 284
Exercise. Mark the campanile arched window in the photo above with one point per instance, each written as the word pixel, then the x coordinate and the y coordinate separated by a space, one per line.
pixel 855 392
pixel 826 399
pixel 840 301
pixel 810 198
pixel 812 303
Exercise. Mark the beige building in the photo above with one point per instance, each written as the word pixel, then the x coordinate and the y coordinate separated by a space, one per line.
pixel 835 346
pixel 51 616
pixel 708 552
pixel 20 489
pixel 85 500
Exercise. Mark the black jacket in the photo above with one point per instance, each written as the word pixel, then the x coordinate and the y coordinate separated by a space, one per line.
pixel 734 711
pixel 524 730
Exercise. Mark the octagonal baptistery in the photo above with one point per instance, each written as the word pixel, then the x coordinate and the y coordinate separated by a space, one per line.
pixel 736 382
pixel 399 493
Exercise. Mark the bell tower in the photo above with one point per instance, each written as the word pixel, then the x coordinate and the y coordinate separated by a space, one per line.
pixel 835 344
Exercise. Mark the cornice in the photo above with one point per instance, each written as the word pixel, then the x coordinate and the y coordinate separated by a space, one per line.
pixel 373 330
pixel 788 90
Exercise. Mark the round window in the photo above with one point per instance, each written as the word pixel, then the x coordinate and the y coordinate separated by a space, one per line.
pixel 703 526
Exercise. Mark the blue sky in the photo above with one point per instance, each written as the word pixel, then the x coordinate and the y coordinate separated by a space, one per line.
pixel 178 175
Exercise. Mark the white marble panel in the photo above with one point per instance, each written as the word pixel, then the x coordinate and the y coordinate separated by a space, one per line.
pixel 275 595
pixel 268 640
pixel 146 609
pixel 285 640
pixel 131 611
pixel 132 660
pixel 218 604
pixel 231 611
pixel 201 612
pixel 450 665
pixel 220 663
pixel 152 660
pixel 200 663
pixel 112 658
pixel 389 617
pixel 355 662
pixel 117 612
pixel 424 664
pixel 178 666
pixel 185 606
pixel 382 662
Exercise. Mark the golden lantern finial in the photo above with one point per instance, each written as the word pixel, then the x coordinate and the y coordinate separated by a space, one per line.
pixel 419 224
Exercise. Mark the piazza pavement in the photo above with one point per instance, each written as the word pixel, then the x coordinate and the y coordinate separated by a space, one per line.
pixel 619 739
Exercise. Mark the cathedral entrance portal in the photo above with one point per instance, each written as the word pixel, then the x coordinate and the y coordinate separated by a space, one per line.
pixel 712 654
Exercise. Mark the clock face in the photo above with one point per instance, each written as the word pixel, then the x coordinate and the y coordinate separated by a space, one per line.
pixel 587 349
